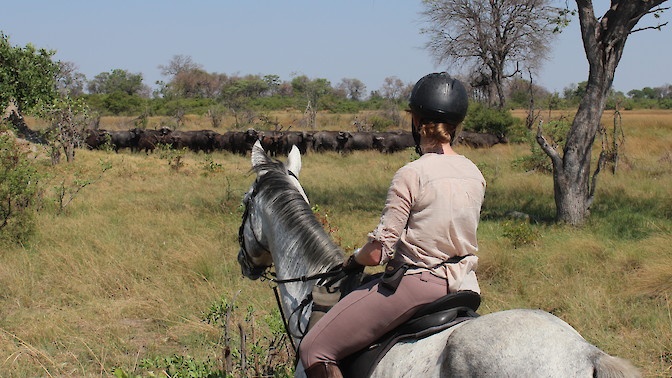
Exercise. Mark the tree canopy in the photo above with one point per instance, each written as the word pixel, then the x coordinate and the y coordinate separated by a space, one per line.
pixel 496 38
pixel 27 75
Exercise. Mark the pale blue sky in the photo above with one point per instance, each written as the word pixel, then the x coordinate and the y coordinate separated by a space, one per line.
pixel 333 39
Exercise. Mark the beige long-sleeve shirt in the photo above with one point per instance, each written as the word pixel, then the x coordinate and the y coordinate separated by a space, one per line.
pixel 431 214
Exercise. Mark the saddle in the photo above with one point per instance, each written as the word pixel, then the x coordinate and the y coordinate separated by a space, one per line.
pixel 432 318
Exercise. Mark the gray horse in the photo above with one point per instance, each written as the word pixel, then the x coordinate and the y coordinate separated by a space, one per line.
pixel 280 229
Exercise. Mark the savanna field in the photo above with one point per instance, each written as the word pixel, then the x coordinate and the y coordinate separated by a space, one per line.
pixel 138 272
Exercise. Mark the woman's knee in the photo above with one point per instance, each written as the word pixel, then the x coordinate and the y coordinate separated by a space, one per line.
pixel 310 353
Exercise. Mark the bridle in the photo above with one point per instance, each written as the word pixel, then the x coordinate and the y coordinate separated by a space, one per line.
pixel 265 271
pixel 244 256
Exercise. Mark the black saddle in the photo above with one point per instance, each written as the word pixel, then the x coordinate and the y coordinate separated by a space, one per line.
pixel 434 317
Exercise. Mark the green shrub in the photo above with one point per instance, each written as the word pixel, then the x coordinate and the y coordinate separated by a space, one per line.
pixel 520 233
pixel 18 190
pixel 380 123
pixel 483 119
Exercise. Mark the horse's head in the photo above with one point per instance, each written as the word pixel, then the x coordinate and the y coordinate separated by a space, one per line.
pixel 255 254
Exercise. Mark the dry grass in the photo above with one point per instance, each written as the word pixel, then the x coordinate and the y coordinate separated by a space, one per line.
pixel 126 272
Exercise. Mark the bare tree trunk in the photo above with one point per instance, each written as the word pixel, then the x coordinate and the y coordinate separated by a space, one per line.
pixel 603 41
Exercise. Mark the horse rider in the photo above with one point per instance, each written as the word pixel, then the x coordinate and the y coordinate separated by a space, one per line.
pixel 426 235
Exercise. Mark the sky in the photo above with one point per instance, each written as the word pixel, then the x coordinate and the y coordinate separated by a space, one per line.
pixel 368 40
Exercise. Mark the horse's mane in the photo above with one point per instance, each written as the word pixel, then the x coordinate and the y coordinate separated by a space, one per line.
pixel 291 210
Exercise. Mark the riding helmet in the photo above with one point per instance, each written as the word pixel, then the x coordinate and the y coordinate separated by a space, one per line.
pixel 440 98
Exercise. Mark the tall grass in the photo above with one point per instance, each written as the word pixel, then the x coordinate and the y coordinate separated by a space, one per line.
pixel 128 269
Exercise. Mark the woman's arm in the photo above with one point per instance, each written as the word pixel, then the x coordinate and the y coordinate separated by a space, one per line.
pixel 370 254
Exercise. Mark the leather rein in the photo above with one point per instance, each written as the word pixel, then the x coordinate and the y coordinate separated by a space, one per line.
pixel 266 274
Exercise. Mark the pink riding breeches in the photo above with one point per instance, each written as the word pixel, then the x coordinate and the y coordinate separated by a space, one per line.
pixel 367 314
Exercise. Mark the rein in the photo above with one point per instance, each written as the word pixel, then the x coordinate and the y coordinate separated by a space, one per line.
pixel 334 272
pixel 265 273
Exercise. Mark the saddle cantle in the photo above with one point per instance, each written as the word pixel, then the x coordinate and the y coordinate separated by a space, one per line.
pixel 432 318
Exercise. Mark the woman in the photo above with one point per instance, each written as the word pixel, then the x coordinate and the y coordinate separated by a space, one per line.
pixel 429 223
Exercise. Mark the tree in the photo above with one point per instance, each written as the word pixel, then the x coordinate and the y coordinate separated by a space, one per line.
pixel 603 40
pixel 179 64
pixel 520 92
pixel 69 82
pixel 497 38
pixel 118 80
pixel 392 89
pixel 69 118
pixel 353 88
pixel 27 79
pixel 197 83
pixel 313 90
pixel 575 92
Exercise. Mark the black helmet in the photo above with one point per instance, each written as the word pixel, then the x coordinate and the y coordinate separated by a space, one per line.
pixel 438 97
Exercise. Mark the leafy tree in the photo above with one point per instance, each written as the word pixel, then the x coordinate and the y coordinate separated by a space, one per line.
pixel 312 91
pixel 27 79
pixel 118 80
pixel 519 94
pixel 575 92
pixel 234 98
pixel 495 37
pixel 603 39
pixel 646 92
pixel 273 83
pixel 122 103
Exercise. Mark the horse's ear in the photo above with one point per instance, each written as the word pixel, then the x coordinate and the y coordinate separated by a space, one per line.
pixel 294 161
pixel 258 154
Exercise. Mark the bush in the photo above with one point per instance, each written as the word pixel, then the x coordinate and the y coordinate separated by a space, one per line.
pixel 483 119
pixel 18 190
pixel 520 233
pixel 380 123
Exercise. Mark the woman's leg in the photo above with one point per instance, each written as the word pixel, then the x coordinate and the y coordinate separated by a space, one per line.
pixel 365 315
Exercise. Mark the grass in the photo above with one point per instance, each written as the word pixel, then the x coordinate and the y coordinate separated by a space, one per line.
pixel 126 272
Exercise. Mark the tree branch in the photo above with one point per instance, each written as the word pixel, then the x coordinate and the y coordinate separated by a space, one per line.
pixel 600 164
pixel 649 27
pixel 546 147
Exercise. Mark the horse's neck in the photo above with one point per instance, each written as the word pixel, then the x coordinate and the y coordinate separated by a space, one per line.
pixel 291 260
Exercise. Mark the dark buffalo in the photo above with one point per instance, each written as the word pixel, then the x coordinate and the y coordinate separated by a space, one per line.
pixel 361 141
pixel 271 141
pixel 149 139
pixel 95 139
pixel 479 140
pixel 195 140
pixel 331 141
pixel 242 141
pixel 293 138
pixel 223 141
pixel 123 139
pixel 393 141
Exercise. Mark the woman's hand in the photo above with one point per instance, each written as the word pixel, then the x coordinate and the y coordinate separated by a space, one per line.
pixel 369 255
pixel 351 265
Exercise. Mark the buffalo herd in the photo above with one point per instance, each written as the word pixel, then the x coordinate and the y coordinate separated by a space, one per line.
pixel 274 142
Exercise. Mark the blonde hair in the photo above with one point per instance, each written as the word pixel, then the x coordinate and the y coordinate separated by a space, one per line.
pixel 437 132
